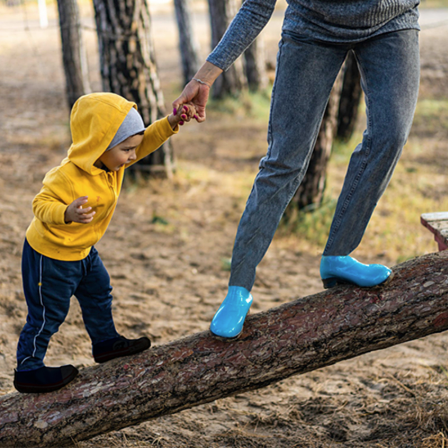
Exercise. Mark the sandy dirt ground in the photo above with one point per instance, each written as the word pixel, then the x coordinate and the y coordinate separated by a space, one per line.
pixel 167 250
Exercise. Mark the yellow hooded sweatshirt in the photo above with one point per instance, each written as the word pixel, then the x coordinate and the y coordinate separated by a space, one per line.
pixel 94 121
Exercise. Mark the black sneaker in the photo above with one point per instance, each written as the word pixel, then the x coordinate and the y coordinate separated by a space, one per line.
pixel 118 347
pixel 44 379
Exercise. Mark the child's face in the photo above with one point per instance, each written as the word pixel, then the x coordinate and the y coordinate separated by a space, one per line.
pixel 121 154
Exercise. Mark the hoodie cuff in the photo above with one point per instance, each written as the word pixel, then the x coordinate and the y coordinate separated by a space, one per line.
pixel 59 214
pixel 170 131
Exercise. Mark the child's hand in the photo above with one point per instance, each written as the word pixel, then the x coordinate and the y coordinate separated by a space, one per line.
pixel 75 213
pixel 183 115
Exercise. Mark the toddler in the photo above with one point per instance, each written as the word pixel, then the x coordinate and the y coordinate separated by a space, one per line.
pixel 71 214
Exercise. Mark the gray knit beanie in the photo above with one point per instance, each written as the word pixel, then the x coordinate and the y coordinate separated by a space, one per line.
pixel 132 124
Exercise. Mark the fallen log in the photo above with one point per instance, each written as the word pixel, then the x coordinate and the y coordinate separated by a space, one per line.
pixel 297 337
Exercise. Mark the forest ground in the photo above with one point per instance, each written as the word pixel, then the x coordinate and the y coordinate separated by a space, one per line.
pixel 168 246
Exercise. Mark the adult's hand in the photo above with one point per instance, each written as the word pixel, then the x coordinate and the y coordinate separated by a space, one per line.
pixel 197 94
pixel 198 89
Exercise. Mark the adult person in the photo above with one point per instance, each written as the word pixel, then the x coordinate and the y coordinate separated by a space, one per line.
pixel 316 37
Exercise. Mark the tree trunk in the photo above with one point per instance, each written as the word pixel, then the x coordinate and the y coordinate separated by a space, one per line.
pixel 311 190
pixel 297 337
pixel 128 67
pixel 73 52
pixel 232 81
pixel 255 65
pixel 350 98
pixel 188 46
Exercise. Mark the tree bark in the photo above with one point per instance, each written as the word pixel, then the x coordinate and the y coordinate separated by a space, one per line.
pixel 188 45
pixel 297 337
pixel 255 65
pixel 128 67
pixel 351 94
pixel 232 81
pixel 74 57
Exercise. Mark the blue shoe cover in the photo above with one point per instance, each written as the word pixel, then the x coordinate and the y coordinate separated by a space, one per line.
pixel 336 270
pixel 229 319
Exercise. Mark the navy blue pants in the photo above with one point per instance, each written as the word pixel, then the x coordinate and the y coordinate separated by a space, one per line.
pixel 49 285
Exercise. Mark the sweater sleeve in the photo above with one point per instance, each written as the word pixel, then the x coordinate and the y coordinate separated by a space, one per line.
pixel 245 27
pixel 155 136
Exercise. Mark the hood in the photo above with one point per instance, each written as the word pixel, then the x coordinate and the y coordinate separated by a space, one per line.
pixel 94 121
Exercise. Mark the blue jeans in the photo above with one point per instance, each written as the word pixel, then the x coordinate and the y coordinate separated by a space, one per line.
pixel 48 285
pixel 306 71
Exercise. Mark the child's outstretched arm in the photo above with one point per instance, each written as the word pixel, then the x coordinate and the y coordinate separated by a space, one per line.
pixel 75 212
pixel 161 130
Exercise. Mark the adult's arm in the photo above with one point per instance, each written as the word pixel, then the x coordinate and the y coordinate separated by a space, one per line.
pixel 245 27
pixel 243 30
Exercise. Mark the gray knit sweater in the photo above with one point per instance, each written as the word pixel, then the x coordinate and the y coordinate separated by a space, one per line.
pixel 340 21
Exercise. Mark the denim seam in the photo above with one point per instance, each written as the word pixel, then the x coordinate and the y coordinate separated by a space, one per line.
pixel 296 182
pixel 355 181
pixel 273 96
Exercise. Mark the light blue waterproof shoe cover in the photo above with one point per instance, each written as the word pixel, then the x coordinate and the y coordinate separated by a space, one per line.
pixel 336 270
pixel 229 319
